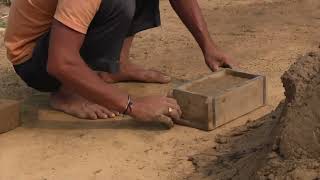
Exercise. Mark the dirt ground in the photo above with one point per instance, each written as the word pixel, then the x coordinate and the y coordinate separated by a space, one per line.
pixel 265 36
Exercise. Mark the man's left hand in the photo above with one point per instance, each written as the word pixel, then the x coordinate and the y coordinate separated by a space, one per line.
pixel 216 59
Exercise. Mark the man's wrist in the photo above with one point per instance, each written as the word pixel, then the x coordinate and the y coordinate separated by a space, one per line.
pixel 209 48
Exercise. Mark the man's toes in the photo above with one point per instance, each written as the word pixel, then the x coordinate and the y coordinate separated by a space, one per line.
pixel 91 114
pixel 109 113
pixel 81 115
pixel 116 113
pixel 101 114
pixel 106 112
pixel 156 76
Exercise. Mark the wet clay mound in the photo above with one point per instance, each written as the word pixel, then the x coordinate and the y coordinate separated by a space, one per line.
pixel 300 134
pixel 284 144
pixel 240 153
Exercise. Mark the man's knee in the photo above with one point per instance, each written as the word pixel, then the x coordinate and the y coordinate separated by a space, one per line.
pixel 125 10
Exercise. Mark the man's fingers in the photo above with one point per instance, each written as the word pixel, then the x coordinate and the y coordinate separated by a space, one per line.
pixel 170 94
pixel 167 121
pixel 175 107
pixel 214 66
pixel 174 104
pixel 172 101
pixel 173 113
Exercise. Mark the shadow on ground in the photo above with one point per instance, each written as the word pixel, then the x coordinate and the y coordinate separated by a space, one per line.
pixel 58 120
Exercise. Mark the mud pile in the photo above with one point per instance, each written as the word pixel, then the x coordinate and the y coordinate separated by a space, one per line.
pixel 298 140
pixel 284 144
pixel 300 134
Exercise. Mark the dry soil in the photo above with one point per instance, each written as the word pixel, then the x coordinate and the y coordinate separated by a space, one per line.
pixel 266 36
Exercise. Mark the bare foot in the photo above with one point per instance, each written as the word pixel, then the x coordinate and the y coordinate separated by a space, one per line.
pixel 79 107
pixel 132 72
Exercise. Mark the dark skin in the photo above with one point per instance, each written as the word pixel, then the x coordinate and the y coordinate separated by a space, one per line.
pixel 66 64
pixel 190 14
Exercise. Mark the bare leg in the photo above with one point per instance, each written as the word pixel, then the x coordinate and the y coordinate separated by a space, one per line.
pixel 132 72
pixel 73 104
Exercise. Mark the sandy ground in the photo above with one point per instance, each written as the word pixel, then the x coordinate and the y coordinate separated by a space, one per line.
pixel 265 36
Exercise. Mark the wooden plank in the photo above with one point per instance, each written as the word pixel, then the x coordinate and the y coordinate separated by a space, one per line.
pixel 194 108
pixel 193 124
pixel 265 90
pixel 9 115
pixel 239 101
pixel 240 74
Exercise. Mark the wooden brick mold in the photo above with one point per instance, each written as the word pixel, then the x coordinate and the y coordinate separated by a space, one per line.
pixel 219 98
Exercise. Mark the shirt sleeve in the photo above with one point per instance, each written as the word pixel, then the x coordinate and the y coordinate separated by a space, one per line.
pixel 77 14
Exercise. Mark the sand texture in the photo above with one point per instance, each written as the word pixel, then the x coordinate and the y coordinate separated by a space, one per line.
pixel 300 134
pixel 217 85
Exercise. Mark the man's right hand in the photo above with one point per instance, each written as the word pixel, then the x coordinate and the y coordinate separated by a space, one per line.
pixel 151 108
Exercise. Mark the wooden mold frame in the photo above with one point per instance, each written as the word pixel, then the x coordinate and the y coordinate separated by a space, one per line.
pixel 209 112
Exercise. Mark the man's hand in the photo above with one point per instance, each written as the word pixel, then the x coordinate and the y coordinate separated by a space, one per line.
pixel 217 59
pixel 152 108
pixel 190 14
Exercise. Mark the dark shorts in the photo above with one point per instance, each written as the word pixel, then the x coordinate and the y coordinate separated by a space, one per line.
pixel 113 23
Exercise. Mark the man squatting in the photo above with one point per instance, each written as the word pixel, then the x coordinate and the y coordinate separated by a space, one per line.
pixel 76 49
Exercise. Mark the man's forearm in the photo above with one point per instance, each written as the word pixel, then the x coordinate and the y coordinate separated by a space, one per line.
pixel 79 78
pixel 190 14
pixel 66 64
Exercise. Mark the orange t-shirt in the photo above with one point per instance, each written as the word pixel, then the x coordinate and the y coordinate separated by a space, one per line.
pixel 29 19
